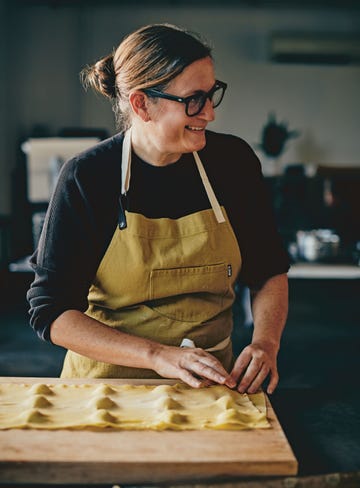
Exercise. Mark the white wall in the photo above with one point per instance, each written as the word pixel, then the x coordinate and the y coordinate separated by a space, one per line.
pixel 49 46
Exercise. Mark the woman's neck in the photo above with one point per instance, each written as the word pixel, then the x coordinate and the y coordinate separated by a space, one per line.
pixel 144 147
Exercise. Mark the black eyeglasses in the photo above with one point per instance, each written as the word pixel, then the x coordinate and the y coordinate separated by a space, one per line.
pixel 194 103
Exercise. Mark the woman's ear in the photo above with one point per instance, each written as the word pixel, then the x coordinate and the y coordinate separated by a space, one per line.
pixel 140 104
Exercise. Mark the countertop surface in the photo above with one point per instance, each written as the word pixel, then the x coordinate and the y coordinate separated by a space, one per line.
pixel 324 271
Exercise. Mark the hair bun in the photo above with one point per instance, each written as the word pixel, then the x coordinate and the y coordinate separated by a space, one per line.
pixel 101 76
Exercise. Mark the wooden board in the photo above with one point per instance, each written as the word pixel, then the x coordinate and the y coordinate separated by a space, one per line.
pixel 54 457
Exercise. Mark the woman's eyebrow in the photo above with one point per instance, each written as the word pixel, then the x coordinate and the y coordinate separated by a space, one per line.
pixel 196 92
pixel 199 92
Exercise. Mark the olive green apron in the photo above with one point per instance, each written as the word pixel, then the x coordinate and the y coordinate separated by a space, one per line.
pixel 165 280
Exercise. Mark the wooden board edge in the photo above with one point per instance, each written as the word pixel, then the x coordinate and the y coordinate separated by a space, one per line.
pixel 130 473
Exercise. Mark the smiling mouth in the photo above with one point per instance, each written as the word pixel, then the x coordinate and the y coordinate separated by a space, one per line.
pixel 194 128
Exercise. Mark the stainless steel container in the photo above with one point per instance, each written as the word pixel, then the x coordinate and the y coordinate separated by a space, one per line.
pixel 318 245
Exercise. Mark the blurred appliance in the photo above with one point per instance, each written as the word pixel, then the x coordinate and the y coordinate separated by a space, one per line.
pixel 318 245
pixel 44 158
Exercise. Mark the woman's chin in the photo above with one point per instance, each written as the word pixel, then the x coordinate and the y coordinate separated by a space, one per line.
pixel 197 142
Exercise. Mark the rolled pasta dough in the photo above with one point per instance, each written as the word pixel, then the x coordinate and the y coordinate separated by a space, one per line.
pixel 129 407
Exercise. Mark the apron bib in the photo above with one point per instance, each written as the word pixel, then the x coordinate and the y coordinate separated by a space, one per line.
pixel 165 280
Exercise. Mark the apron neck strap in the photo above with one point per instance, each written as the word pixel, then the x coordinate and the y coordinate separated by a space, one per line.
pixel 126 174
pixel 126 163
pixel 209 190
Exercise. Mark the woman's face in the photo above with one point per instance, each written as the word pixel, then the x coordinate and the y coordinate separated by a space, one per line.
pixel 172 131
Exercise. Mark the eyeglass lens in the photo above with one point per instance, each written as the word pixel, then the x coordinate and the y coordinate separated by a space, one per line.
pixel 196 104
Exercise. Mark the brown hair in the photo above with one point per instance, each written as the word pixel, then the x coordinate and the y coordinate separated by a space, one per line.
pixel 149 57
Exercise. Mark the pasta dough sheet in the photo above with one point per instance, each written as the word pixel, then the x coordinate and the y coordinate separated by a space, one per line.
pixel 129 407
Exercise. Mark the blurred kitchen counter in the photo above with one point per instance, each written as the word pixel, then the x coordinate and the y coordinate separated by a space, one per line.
pixel 324 271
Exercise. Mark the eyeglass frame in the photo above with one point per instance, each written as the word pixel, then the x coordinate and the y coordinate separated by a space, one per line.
pixel 153 92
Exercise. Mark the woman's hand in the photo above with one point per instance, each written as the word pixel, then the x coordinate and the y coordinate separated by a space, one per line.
pixel 193 366
pixel 254 364
pixel 258 360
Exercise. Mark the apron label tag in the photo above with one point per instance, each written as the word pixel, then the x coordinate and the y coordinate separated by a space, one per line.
pixel 229 270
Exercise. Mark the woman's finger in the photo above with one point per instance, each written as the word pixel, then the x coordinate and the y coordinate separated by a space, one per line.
pixel 273 381
pixel 218 367
pixel 257 382
pixel 208 372
pixel 206 383
pixel 240 365
pixel 189 379
pixel 250 374
pixel 208 367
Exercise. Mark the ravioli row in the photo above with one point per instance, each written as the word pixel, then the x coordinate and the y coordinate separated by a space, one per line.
pixel 128 407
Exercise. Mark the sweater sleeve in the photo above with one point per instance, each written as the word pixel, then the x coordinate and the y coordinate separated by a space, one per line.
pixel 241 187
pixel 261 244
pixel 79 222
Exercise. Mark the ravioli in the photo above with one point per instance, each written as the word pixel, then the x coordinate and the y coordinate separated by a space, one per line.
pixel 129 407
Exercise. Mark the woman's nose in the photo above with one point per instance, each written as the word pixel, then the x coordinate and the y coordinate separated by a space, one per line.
pixel 208 111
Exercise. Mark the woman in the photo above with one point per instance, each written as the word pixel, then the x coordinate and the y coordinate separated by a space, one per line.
pixel 145 238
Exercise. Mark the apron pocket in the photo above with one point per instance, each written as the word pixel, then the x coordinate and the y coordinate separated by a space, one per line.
pixel 190 294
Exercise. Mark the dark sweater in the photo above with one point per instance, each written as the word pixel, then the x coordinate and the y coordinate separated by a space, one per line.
pixel 84 209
